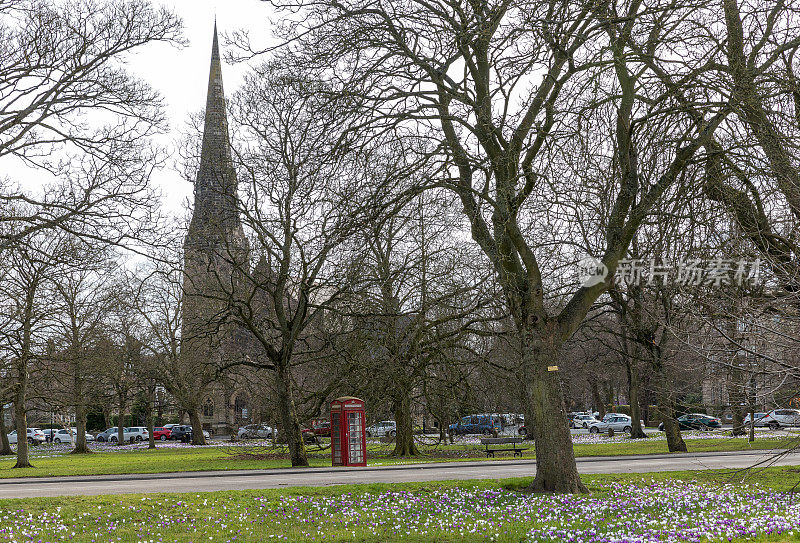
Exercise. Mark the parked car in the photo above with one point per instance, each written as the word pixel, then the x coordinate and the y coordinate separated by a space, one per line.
pixel 183 433
pixel 782 418
pixel 137 433
pixel 582 421
pixel 132 434
pixel 320 428
pixel 609 416
pixel 35 436
pixel 48 434
pixel 161 433
pixel 382 428
pixel 618 423
pixel 522 430
pixel 105 435
pixel 696 421
pixel 759 418
pixel 69 435
pixel 475 424
pixel 255 431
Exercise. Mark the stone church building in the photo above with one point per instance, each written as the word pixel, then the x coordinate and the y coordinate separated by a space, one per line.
pixel 216 261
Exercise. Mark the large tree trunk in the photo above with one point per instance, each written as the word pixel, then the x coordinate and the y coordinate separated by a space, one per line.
pixel 404 440
pixel 632 371
pixel 22 424
pixel 81 447
pixel 672 429
pixel 197 426
pixel 556 470
pixel 5 446
pixel 288 417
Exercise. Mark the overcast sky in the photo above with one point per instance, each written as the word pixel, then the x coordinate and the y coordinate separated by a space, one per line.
pixel 181 75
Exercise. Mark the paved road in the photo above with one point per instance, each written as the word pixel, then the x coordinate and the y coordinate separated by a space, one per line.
pixel 278 478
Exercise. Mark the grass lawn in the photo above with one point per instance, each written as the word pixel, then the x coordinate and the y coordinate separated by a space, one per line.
pixel 51 461
pixel 678 506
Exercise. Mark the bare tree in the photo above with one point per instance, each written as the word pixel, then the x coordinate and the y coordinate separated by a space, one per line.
pixel 303 196
pixel 27 294
pixel 460 73
pixel 86 304
pixel 415 300
pixel 66 100
pixel 153 298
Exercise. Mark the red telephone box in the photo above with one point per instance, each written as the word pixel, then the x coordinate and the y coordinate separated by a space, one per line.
pixel 348 436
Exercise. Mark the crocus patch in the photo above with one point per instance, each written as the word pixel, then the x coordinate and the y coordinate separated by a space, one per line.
pixel 649 511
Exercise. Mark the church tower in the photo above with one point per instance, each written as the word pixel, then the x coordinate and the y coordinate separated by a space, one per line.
pixel 215 258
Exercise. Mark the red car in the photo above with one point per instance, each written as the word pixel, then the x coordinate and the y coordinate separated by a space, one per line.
pixel 319 428
pixel 162 433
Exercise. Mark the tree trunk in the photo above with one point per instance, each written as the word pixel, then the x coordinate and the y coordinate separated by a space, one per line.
pixel 610 397
pixel 22 424
pixel 442 431
pixel 288 417
pixel 598 401
pixel 149 418
pixel 121 422
pixel 5 446
pixel 637 432
pixel 197 426
pixel 527 404
pixel 737 396
pixel 672 429
pixel 404 440
pixel 556 470
pixel 81 447
pixel 738 422
pixel 752 435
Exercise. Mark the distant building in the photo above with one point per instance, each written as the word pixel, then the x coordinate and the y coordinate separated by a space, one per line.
pixel 216 260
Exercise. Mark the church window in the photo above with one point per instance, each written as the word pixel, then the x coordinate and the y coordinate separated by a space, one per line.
pixel 208 408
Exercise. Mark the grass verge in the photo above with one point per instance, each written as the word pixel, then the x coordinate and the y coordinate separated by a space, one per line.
pixel 182 459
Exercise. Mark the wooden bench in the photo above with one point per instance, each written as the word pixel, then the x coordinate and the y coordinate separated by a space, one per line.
pixel 492 445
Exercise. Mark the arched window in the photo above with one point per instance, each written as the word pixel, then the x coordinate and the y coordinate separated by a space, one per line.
pixel 208 408
pixel 240 407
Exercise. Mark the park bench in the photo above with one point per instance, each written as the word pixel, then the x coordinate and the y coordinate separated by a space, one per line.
pixel 494 444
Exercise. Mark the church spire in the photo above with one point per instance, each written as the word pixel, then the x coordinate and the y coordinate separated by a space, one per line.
pixel 215 214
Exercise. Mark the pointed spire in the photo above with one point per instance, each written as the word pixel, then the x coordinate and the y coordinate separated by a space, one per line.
pixel 216 187
pixel 215 44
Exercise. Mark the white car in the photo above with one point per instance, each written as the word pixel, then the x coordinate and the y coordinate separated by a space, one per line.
pixel 781 418
pixel 382 428
pixel 132 434
pixel 70 435
pixel 255 431
pixel 35 437
pixel 618 423
pixel 582 421
pixel 759 418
